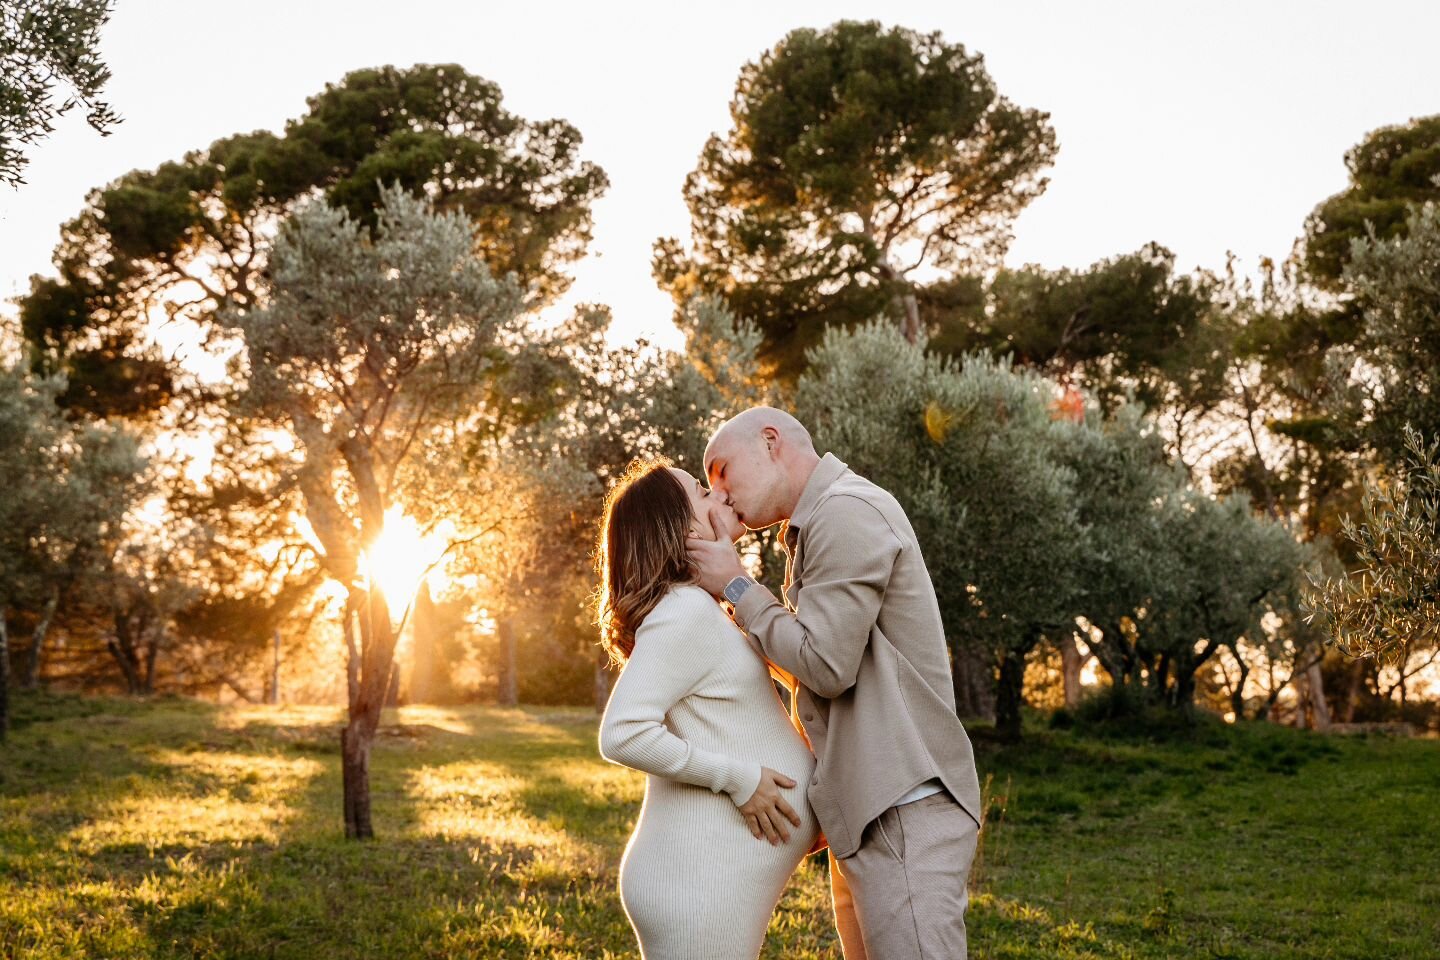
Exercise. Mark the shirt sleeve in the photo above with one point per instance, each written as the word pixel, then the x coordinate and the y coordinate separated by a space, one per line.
pixel 850 553
pixel 668 663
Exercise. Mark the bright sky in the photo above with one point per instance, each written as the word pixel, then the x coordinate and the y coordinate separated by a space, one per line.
pixel 1207 127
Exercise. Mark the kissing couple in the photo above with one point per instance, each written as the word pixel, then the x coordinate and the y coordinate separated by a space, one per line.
pixel 870 760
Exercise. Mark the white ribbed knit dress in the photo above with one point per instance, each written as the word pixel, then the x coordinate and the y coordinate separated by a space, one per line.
pixel 695 708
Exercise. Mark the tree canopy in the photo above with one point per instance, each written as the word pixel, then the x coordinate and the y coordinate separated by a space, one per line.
pixel 45 44
pixel 191 236
pixel 1392 169
pixel 858 154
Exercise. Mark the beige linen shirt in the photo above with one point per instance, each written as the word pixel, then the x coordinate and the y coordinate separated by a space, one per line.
pixel 861 632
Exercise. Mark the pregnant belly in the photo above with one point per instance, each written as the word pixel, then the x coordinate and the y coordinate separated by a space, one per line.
pixel 688 837
pixel 695 883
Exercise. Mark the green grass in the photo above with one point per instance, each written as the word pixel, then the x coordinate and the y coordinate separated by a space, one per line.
pixel 172 828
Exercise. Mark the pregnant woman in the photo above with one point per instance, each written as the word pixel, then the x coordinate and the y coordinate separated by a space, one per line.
pixel 725 821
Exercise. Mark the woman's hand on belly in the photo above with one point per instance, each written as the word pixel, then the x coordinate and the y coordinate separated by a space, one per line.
pixel 766 812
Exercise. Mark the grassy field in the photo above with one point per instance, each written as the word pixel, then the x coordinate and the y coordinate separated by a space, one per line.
pixel 172 828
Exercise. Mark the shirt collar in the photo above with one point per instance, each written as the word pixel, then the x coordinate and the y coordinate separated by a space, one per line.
pixel 826 472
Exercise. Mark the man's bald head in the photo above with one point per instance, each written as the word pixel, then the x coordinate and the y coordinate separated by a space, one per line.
pixel 760 460
pixel 751 423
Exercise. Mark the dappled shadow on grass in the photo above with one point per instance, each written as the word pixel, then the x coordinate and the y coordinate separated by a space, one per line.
pixel 529 783
pixel 396 896
pixel 196 832
pixel 469 859
pixel 179 830
pixel 74 761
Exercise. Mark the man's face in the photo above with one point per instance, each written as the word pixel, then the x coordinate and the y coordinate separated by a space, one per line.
pixel 745 472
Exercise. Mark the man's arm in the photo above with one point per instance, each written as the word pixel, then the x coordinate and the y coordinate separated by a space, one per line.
pixel 850 552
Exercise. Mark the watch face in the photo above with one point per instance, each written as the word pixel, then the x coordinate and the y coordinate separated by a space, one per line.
pixel 735 589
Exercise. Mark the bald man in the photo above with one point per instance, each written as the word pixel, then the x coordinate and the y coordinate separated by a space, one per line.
pixel 895 789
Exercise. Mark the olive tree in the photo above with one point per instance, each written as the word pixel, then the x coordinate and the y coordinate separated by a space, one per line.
pixel 396 364
pixel 969 449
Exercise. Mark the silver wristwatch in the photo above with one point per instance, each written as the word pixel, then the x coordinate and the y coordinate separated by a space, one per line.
pixel 736 588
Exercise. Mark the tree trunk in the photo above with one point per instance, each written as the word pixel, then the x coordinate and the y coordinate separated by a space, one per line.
pixel 909 305
pixel 128 668
pixel 912 316
pixel 1114 655
pixel 4 676
pixel 238 688
pixel 368 668
pixel 1182 692
pixel 355 743
pixel 152 653
pixel 424 653
pixel 377 657
pixel 1009 695
pixel 509 686
pixel 1237 696
pixel 972 685
pixel 352 653
pixel 1357 685
pixel 1320 710
pixel 121 644
pixel 392 688
pixel 602 683
pixel 274 698
pixel 1070 664
pixel 1159 675
pixel 1267 707
pixel 355 775
pixel 37 639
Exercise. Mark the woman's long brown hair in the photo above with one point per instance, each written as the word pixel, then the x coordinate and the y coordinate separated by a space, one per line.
pixel 641 552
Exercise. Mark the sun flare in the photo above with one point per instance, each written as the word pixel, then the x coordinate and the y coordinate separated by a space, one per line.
pixel 399 559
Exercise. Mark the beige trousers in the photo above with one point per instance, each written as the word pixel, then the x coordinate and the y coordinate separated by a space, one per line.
pixel 902 895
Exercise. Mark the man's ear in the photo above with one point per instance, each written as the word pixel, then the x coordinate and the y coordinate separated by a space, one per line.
pixel 772 441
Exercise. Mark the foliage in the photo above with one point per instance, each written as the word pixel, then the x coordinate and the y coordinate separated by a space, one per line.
pixel 622 402
pixel 1032 521
pixel 191 237
pixel 1390 605
pixel 1393 368
pixel 1231 568
pixel 1392 169
pixel 63 510
pixel 1128 325
pixel 375 355
pixel 968 449
pixel 45 44
pixel 858 154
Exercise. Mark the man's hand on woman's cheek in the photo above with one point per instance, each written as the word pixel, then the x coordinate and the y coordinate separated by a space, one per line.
pixel 717 563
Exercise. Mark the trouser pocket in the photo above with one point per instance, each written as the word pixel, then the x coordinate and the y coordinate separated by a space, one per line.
pixel 892 832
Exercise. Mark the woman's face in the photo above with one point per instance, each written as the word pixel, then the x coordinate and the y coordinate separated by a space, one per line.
pixel 705 506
